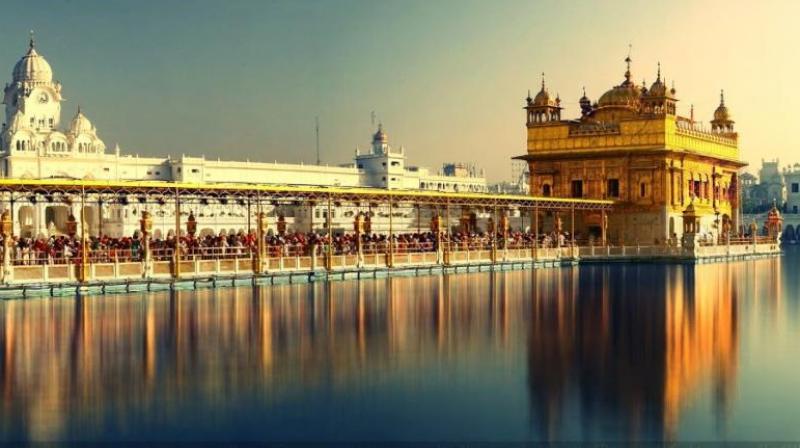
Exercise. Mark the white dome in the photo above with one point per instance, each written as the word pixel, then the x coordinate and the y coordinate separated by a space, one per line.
pixel 80 124
pixel 33 67
pixel 380 136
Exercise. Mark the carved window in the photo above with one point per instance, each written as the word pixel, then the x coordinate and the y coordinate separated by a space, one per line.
pixel 577 188
pixel 612 188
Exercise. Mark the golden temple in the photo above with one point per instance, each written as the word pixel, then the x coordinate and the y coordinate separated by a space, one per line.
pixel 631 146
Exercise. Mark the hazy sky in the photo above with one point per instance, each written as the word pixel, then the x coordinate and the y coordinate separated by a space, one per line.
pixel 244 79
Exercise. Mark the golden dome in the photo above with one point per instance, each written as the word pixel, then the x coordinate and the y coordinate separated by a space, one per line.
pixel 626 94
pixel 543 97
pixel 722 114
pixel 659 88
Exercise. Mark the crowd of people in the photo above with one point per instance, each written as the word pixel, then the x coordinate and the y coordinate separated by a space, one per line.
pixel 63 249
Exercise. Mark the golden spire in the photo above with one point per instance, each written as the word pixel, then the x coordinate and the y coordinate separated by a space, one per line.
pixel 722 97
pixel 658 74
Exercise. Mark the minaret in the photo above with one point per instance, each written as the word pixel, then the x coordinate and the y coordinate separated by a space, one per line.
pixel 34 97
pixel 542 109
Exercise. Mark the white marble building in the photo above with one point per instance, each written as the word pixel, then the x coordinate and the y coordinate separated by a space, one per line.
pixel 34 145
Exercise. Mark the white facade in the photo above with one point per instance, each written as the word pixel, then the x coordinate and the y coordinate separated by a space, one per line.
pixel 33 145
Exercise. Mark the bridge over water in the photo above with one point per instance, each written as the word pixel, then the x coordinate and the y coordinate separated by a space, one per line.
pixel 91 265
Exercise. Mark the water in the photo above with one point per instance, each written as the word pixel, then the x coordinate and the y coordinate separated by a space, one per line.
pixel 646 352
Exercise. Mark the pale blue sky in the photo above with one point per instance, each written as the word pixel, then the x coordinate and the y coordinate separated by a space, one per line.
pixel 245 79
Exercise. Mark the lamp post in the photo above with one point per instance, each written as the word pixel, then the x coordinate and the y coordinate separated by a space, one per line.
pixel 146 228
pixel 6 228
pixel 83 273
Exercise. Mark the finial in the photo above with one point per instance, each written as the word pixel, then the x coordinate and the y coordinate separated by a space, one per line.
pixel 584 91
pixel 31 42
pixel 529 93
pixel 691 113
pixel 542 81
pixel 628 64
pixel 658 75
pixel 79 109
pixel 721 97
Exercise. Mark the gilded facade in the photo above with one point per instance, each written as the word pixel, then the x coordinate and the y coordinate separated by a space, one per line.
pixel 631 146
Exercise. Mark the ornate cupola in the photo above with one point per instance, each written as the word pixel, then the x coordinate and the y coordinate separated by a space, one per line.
pixel 659 100
pixel 380 141
pixel 722 122
pixel 542 109
pixel 585 103
pixel 32 68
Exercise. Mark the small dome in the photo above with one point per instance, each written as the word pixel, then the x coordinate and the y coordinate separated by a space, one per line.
pixel 658 89
pixel 584 99
pixel 32 67
pixel 80 124
pixel 722 114
pixel 380 136
pixel 543 99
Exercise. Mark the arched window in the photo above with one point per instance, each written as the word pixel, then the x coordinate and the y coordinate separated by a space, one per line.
pixel 546 190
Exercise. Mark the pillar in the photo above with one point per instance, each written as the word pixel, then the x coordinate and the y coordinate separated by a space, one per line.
pixel 604 227
pixel 493 241
pixel 146 228
pixel 535 220
pixel 358 227
pixel 447 232
pixel 176 254
pixel 436 228
pixel 99 218
pixel 83 273
pixel 261 257
pixel 572 225
pixel 390 254
pixel 329 224
pixel 6 229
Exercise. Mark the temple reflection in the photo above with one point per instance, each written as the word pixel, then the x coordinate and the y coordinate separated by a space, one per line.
pixel 603 350
pixel 621 351
pixel 66 360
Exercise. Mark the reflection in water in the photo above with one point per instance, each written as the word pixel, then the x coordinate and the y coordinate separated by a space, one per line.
pixel 601 352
